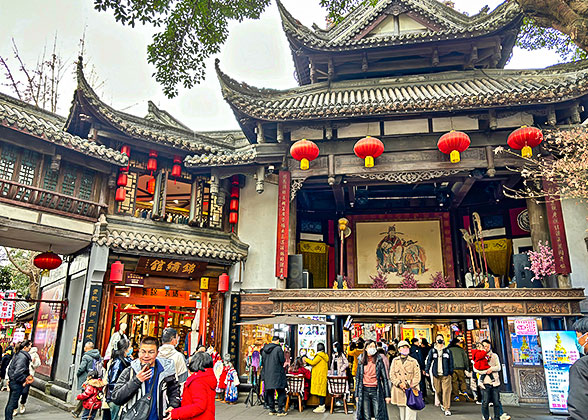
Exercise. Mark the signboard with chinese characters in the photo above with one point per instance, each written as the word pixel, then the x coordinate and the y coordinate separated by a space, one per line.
pixel 204 283
pixel 559 354
pixel 7 306
pixel 170 268
pixel 559 242
pixel 47 326
pixel 283 225
pixel 525 326
pixel 234 328
pixel 93 313
pixel 134 280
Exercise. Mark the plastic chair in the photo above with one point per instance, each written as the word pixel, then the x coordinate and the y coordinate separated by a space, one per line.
pixel 295 389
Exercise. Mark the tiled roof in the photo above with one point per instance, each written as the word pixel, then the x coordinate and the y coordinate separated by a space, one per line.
pixel 152 130
pixel 472 89
pixel 452 24
pixel 36 122
pixel 162 116
pixel 237 157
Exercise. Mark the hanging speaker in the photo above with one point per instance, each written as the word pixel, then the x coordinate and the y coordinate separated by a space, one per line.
pixel 295 272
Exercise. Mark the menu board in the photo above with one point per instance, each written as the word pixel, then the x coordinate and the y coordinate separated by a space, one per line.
pixel 310 335
pixel 559 354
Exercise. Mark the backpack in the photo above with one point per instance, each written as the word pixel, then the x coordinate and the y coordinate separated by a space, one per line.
pixel 98 366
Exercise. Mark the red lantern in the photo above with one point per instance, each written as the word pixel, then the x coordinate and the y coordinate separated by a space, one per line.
pixel 233 217
pixel 453 143
pixel 152 162
pixel 223 283
pixel 234 205
pixel 117 271
pixel 47 261
pixel 151 186
pixel 368 148
pixel 304 151
pixel 122 179
pixel 177 168
pixel 524 139
pixel 127 151
pixel 235 192
pixel 235 180
pixel 121 194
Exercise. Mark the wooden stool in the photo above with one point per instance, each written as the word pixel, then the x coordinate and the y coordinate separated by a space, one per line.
pixel 295 389
pixel 338 388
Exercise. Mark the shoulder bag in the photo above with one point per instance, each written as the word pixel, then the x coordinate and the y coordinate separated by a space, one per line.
pixel 140 410
pixel 414 399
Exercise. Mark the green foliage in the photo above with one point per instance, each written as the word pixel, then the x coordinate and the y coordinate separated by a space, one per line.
pixel 12 279
pixel 534 37
pixel 338 9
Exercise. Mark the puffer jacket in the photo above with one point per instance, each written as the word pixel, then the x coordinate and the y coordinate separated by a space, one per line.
pixel 320 369
pixel 92 395
pixel 19 367
pixel 198 397
pixel 115 368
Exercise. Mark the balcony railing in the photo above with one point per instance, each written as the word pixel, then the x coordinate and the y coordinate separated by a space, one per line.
pixel 50 201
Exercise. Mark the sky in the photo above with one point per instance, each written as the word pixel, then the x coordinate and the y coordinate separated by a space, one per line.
pixel 256 52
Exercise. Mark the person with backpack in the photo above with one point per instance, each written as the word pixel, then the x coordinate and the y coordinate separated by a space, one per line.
pixel 91 360
pixel 92 396
pixel 19 375
pixel 35 363
pixel 120 361
pixel 148 388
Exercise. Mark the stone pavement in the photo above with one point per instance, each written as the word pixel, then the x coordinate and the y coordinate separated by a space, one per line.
pixel 36 409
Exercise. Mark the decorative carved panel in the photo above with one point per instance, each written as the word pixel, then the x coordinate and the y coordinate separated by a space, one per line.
pixel 503 308
pixel 255 306
pixel 413 307
pixel 300 307
pixel 532 383
pixel 338 307
pixel 377 307
pixel 548 308
pixel 459 308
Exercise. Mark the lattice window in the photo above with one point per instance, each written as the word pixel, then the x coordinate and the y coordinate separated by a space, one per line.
pixel 208 212
pixel 86 185
pixel 7 161
pixel 51 177
pixel 128 206
pixel 68 186
pixel 28 167
pixel 215 217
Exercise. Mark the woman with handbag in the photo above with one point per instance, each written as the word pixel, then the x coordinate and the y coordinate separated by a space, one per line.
pixel 405 377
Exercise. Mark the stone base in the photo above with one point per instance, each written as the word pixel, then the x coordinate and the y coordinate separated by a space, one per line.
pixel 509 399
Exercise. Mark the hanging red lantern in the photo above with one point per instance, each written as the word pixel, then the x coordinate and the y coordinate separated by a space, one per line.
pixel 127 151
pixel 368 149
pixel 304 151
pixel 177 168
pixel 233 217
pixel 47 260
pixel 152 162
pixel 234 192
pixel 453 143
pixel 151 186
pixel 234 205
pixel 122 180
pixel 235 180
pixel 117 271
pixel 223 283
pixel 121 194
pixel 524 139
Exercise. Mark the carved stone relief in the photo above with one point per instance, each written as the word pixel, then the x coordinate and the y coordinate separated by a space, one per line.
pixel 532 383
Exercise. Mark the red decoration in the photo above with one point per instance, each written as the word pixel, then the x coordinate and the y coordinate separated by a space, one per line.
pixel 233 217
pixel 127 151
pixel 47 261
pixel 524 139
pixel 235 180
pixel 453 143
pixel 121 194
pixel 234 205
pixel 122 179
pixel 117 271
pixel 304 151
pixel 235 192
pixel 151 186
pixel 152 162
pixel 368 149
pixel 223 283
pixel 177 168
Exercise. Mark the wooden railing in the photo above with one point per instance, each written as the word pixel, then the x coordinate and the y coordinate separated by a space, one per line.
pixel 50 201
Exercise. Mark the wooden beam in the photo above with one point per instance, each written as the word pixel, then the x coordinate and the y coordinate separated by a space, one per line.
pixel 460 190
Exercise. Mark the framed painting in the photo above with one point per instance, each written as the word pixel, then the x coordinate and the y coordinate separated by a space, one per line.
pixel 393 245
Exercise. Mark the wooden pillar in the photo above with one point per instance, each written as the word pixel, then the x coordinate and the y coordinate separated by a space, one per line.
pixel 538 223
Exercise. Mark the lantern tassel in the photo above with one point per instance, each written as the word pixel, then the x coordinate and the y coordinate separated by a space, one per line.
pixel 304 164
pixel 369 161
pixel 454 156
pixel 527 152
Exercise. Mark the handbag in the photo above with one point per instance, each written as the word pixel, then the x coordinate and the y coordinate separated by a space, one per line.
pixel 414 399
pixel 140 410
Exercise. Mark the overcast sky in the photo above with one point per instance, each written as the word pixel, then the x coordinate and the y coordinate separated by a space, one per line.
pixel 256 52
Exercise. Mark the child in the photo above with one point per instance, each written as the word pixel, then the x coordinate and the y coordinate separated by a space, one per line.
pixel 92 395
pixel 481 364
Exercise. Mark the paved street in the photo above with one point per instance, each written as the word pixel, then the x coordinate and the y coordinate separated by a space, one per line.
pixel 37 409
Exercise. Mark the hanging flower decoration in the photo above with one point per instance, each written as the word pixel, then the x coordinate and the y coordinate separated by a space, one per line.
pixel 408 281
pixel 542 262
pixel 453 143
pixel 368 149
pixel 524 139
pixel 304 151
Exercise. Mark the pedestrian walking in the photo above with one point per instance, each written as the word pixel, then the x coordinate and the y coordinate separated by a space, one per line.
pixel 440 363
pixel 354 351
pixel 19 376
pixel 199 391
pixel 318 380
pixel 491 384
pixel 372 390
pixel 170 340
pixel 121 359
pixel 6 358
pixel 405 374
pixel 461 365
pixel 35 363
pixel 148 387
pixel 578 394
pixel 416 352
pixel 92 396
pixel 91 360
pixel 274 376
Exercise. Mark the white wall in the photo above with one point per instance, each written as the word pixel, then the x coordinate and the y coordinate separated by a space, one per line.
pixel 575 215
pixel 258 218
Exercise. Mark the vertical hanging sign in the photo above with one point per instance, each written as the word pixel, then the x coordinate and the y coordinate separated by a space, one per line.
pixel 557 232
pixel 283 225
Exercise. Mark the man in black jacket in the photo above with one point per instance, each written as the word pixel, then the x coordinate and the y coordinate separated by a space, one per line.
pixel 274 375
pixel 578 393
pixel 18 374
pixel 144 374
pixel 440 360
pixel 416 352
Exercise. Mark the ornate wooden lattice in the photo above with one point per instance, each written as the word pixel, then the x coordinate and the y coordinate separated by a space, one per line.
pixel 128 206
pixel 27 172
pixel 51 178
pixel 207 212
pixel 7 161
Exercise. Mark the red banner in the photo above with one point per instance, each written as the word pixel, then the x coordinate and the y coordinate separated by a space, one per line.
pixel 557 232
pixel 283 225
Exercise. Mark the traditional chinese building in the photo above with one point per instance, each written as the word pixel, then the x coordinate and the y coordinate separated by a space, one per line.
pixel 405 72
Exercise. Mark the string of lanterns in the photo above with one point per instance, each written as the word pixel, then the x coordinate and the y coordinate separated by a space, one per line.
pixel 123 177
pixel 234 203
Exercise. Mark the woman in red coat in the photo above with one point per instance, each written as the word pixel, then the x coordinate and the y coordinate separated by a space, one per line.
pixel 199 391
pixel 298 369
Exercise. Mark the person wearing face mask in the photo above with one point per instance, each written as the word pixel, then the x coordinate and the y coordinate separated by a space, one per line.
pixel 339 362
pixel 578 393
pixel 441 360
pixel 372 390
pixel 405 373
pixel 121 359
